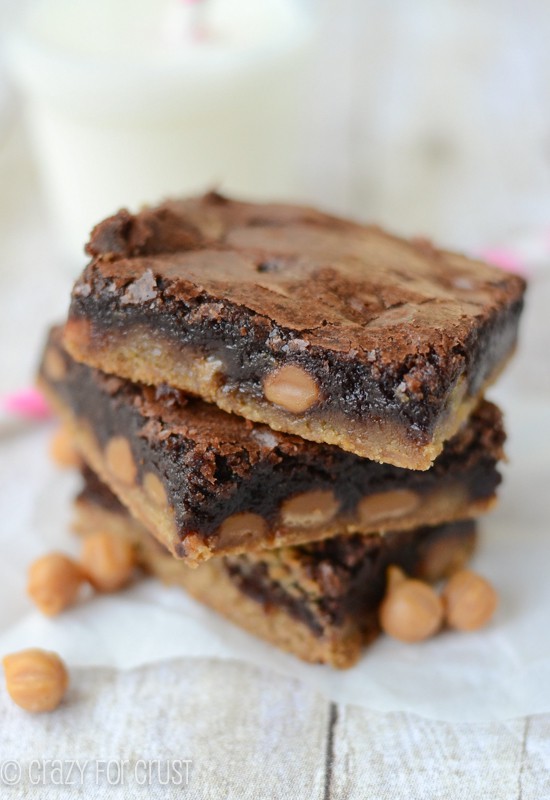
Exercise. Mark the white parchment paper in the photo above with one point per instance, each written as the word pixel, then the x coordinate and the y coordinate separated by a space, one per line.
pixel 497 673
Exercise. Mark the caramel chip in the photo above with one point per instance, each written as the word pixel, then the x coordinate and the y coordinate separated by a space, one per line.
pixel 469 600
pixel 120 460
pixel 155 490
pixel 62 450
pixel 108 561
pixel 241 527
pixel 309 509
pixel 36 679
pixel 387 505
pixel 54 365
pixel 54 581
pixel 292 388
pixel 411 611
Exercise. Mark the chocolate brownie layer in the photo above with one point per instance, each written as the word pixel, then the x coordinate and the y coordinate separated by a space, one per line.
pixel 337 332
pixel 318 601
pixel 209 483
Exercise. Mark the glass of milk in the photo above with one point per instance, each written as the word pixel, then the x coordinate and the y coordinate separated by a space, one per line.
pixel 131 102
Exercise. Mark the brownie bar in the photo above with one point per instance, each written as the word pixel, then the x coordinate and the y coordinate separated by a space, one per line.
pixel 318 601
pixel 336 332
pixel 209 483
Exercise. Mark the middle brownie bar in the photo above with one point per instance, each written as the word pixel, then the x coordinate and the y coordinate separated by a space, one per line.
pixel 208 483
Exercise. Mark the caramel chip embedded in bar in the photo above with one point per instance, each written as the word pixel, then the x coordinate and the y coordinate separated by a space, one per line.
pixel 387 505
pixel 292 388
pixel 54 364
pixel 242 527
pixel 155 490
pixel 62 449
pixel 108 561
pixel 309 509
pixel 443 559
pixel 120 460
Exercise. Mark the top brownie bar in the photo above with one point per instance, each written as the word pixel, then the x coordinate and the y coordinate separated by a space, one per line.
pixel 335 331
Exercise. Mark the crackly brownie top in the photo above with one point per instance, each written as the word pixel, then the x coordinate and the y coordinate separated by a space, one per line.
pixel 340 285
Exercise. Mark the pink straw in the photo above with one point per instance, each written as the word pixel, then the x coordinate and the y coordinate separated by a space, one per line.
pixel 26 404
pixel 197 22
pixel 184 21
pixel 504 258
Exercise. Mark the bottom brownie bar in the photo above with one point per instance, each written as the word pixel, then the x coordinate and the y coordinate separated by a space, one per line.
pixel 318 601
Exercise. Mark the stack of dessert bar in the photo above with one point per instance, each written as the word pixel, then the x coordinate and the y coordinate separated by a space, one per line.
pixel 275 405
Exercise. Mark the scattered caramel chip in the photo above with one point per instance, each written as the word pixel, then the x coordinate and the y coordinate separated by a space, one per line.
pixel 36 679
pixel 54 581
pixel 469 601
pixel 411 610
